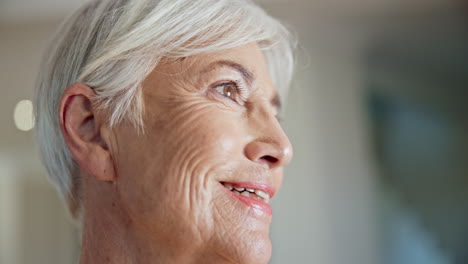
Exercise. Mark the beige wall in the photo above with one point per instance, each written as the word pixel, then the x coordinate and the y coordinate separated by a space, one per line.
pixel 34 225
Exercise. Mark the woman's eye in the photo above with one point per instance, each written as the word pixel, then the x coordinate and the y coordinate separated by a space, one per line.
pixel 229 90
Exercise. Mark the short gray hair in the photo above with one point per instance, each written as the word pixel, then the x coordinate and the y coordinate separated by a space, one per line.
pixel 113 45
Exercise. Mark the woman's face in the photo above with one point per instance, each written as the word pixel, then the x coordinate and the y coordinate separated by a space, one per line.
pixel 210 122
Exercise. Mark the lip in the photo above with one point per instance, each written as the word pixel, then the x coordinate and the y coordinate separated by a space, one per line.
pixel 259 207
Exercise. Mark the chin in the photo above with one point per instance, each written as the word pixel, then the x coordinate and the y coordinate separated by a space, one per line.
pixel 260 253
pixel 255 251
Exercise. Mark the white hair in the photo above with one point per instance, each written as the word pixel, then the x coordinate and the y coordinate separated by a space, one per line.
pixel 113 45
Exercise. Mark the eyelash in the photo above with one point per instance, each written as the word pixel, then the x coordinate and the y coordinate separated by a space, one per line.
pixel 239 90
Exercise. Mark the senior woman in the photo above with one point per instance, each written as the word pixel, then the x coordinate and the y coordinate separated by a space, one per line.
pixel 157 122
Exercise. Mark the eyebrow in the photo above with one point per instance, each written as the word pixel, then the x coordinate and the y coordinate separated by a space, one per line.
pixel 248 76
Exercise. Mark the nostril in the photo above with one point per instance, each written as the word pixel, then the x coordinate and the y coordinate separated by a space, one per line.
pixel 270 153
pixel 270 159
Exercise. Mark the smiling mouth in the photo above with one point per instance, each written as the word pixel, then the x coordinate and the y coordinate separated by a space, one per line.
pixel 248 192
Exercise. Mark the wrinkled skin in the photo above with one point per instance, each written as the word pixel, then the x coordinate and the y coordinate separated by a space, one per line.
pixel 162 197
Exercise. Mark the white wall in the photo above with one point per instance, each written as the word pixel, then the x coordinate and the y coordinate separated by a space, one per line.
pixel 34 227
pixel 8 212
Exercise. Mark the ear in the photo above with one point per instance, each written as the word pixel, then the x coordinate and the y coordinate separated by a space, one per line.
pixel 82 132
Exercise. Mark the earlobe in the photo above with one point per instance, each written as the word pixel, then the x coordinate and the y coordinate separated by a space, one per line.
pixel 81 130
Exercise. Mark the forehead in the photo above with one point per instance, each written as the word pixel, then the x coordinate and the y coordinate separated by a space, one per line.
pixel 250 56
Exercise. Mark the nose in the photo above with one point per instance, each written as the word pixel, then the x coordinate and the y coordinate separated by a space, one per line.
pixel 270 146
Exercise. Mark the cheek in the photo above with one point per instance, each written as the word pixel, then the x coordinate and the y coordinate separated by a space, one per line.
pixel 200 136
pixel 167 171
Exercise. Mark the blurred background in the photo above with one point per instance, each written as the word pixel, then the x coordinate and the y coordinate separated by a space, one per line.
pixel 377 115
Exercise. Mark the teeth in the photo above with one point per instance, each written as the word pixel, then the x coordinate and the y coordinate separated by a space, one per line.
pixel 248 192
pixel 263 194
